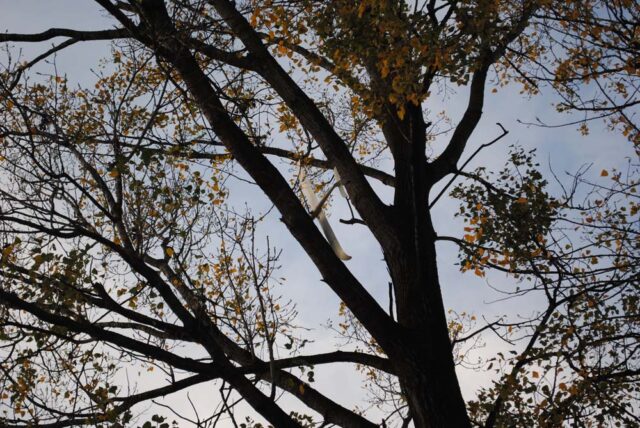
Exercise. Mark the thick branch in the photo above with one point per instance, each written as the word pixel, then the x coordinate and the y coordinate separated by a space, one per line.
pixel 12 300
pixel 447 162
pixel 174 386
pixel 328 358
pixel 294 215
pixel 373 211
pixel 377 174
pixel 117 33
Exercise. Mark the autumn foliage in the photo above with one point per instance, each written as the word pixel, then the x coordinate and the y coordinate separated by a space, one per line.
pixel 130 247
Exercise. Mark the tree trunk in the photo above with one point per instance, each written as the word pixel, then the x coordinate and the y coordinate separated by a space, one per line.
pixel 428 377
pixel 426 367
pixel 425 361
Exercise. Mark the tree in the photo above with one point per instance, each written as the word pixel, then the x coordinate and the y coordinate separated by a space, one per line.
pixel 120 248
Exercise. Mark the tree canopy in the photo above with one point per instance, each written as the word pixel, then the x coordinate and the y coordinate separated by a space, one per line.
pixel 128 247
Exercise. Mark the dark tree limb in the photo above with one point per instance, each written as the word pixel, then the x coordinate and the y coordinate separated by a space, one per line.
pixel 117 33
pixel 373 211
pixel 12 300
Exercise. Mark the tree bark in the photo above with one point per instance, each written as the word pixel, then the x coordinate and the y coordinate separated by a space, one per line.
pixel 425 364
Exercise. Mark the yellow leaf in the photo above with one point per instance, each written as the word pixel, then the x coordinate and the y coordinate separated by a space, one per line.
pixel 521 200
pixel 604 173
pixel 361 9
pixel 301 388
pixel 6 252
pixel 401 112
pixel 169 252
pixel 282 50
pixel 535 374
pixel 254 18
pixel 384 70
pixel 114 173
